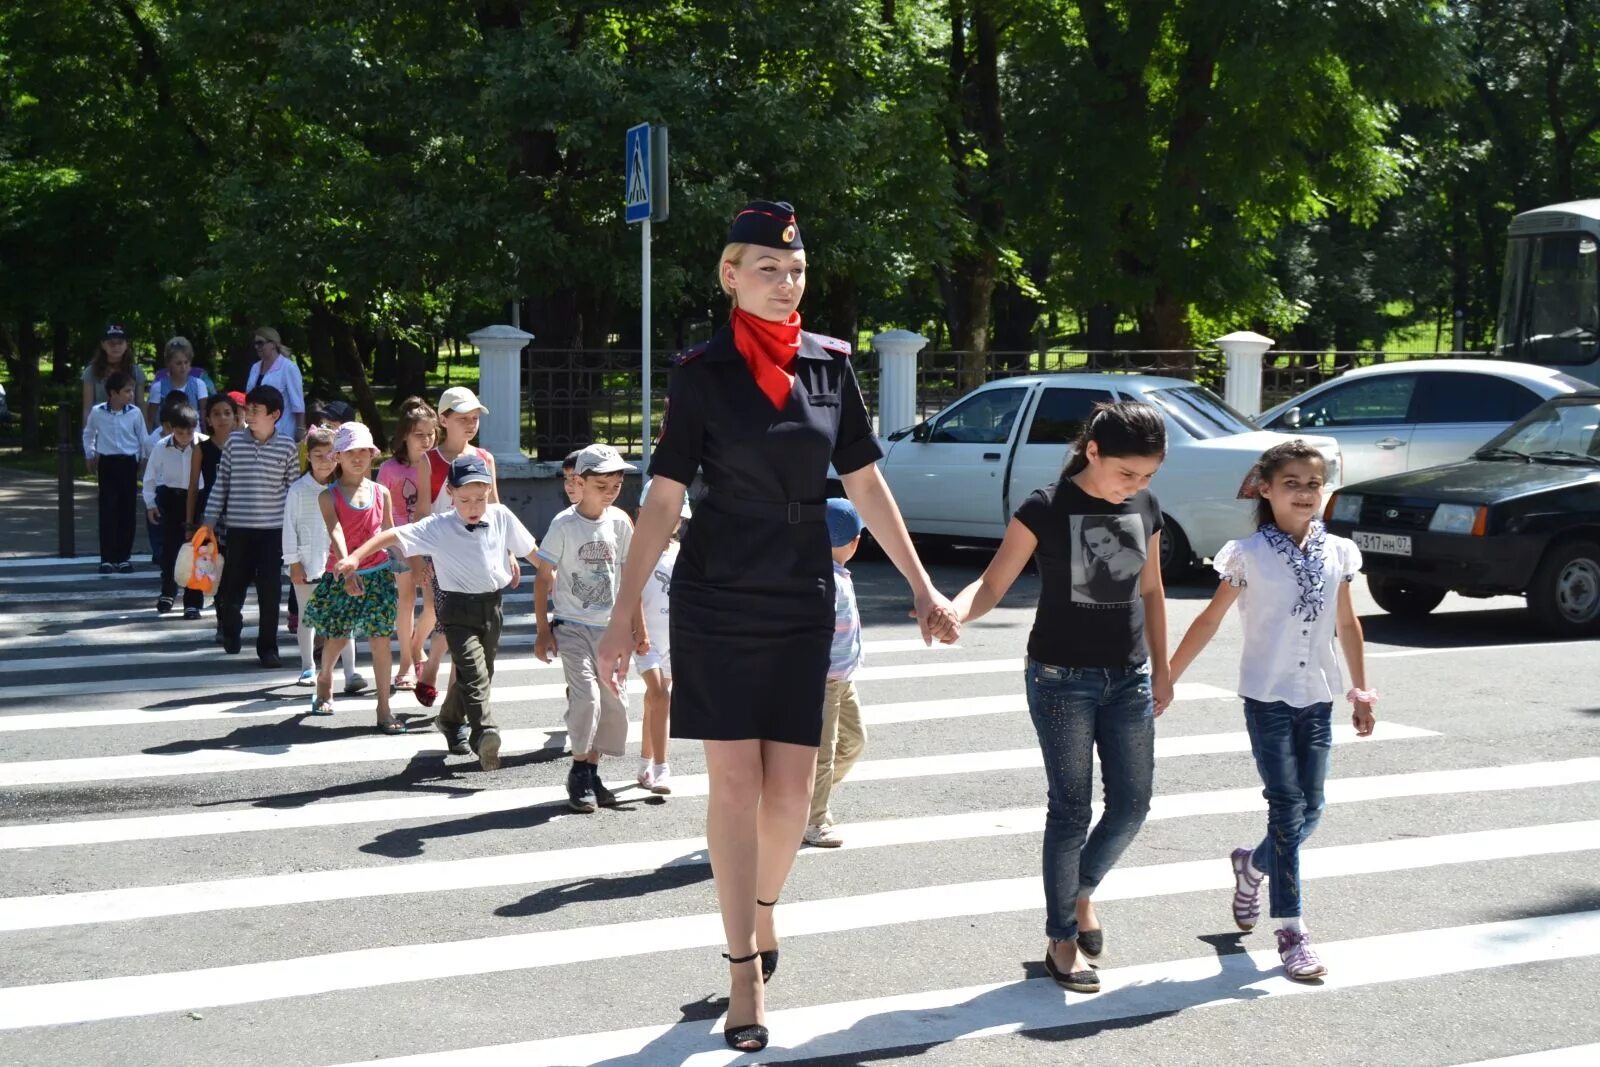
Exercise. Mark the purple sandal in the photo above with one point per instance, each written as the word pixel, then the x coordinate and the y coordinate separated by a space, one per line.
pixel 1246 891
pixel 1300 960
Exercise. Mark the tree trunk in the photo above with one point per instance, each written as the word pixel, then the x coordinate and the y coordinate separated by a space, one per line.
pixel 411 370
pixel 1101 335
pixel 22 364
pixel 1164 326
pixel 347 353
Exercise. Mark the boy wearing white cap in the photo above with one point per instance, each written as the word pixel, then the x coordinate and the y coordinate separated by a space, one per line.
pixel 471 543
pixel 579 563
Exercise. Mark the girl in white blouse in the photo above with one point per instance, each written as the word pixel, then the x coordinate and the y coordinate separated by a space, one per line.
pixel 1283 577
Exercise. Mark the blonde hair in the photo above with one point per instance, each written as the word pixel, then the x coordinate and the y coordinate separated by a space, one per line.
pixel 731 253
pixel 177 344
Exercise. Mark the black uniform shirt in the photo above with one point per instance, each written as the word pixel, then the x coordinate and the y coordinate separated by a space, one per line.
pixel 718 419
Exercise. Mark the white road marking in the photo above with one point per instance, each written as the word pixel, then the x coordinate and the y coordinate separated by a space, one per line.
pixel 1403 653
pixel 340 813
pixel 1587 1055
pixel 278 706
pixel 604 861
pixel 851 1029
pixel 147 994
pixel 260 678
pixel 201 650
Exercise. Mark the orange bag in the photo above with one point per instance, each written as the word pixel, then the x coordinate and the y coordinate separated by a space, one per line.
pixel 199 564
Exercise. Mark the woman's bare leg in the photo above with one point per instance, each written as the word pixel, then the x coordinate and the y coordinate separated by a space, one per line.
pixel 735 773
pixel 789 773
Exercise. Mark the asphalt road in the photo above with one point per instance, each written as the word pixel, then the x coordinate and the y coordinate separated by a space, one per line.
pixel 193 872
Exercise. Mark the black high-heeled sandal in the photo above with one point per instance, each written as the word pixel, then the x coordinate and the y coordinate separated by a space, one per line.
pixel 753 1033
pixel 769 957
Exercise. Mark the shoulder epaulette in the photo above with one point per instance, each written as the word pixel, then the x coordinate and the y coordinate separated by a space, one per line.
pixel 691 354
pixel 832 344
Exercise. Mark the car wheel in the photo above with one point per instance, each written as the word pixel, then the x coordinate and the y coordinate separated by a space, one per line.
pixel 1565 594
pixel 1177 558
pixel 1404 601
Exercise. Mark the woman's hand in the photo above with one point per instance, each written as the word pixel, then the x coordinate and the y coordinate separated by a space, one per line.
pixel 613 654
pixel 936 617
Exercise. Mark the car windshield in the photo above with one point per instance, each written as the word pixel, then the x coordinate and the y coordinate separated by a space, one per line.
pixel 1200 411
pixel 1568 426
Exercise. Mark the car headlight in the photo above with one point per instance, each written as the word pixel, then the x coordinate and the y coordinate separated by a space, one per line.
pixel 1459 519
pixel 1344 508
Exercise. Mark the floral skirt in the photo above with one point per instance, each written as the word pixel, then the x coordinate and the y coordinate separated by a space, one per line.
pixel 333 612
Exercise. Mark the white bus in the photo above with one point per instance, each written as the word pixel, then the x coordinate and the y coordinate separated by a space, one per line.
pixel 1550 295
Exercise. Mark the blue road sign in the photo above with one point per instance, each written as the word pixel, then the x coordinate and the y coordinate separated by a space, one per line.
pixel 637 171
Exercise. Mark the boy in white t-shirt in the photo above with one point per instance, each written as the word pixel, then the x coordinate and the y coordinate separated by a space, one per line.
pixel 579 565
pixel 655 664
pixel 472 545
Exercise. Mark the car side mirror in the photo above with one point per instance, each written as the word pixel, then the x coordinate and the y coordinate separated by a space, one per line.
pixel 1291 419
pixel 921 432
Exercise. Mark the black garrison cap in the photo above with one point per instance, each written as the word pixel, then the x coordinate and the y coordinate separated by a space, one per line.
pixel 768 223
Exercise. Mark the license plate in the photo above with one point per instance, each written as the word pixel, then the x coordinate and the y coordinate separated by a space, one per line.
pixel 1382 543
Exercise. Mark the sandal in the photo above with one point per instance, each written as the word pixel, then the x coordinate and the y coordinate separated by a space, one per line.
pixel 404 680
pixel 1246 891
pixel 426 694
pixel 321 707
pixel 1084 981
pixel 753 1034
pixel 769 957
pixel 1092 943
pixel 391 726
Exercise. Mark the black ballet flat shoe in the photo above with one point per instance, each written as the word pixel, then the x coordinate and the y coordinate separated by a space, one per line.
pixel 1084 981
pixel 769 956
pixel 754 1034
pixel 1092 943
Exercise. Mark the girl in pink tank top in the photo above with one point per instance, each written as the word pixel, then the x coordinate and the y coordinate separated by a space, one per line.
pixel 355 508
pixel 411 480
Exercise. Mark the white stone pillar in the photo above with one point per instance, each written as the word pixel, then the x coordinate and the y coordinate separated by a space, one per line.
pixel 500 389
pixel 897 378
pixel 1244 351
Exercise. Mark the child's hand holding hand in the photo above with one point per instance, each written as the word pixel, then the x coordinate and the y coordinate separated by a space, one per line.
pixel 353 585
pixel 641 643
pixel 544 645
pixel 1162 691
pixel 345 567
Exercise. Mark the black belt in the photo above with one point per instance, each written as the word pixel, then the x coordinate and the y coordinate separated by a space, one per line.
pixel 792 512
pixel 473 596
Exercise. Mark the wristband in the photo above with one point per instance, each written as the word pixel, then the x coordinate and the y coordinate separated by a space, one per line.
pixel 1362 696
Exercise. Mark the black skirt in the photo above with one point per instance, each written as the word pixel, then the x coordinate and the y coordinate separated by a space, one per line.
pixel 752 625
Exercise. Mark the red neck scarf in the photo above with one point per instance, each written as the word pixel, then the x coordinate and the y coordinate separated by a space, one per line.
pixel 768 349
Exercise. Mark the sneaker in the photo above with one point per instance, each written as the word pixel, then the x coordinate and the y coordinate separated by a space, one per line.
pixel 1300 960
pixel 580 789
pixel 108 568
pixel 191 613
pixel 163 605
pixel 661 780
pixel 354 683
pixel 822 837
pixel 1246 890
pixel 456 735
pixel 489 749
pixel 307 677
pixel 603 796
pixel 644 777
pixel 294 623
pixel 125 567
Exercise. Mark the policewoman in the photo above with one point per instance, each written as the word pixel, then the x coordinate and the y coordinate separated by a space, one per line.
pixel 762 409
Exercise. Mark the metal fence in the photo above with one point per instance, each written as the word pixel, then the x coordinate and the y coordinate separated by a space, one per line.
pixel 577 397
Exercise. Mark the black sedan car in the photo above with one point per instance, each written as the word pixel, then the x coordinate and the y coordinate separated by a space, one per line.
pixel 1521 516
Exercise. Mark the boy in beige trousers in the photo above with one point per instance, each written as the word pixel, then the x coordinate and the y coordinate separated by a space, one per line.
pixel 843 736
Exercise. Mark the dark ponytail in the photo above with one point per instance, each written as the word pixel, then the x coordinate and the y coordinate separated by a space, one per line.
pixel 1125 428
pixel 1271 462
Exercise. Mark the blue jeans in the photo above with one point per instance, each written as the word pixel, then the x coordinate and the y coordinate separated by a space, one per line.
pixel 1075 711
pixel 1291 746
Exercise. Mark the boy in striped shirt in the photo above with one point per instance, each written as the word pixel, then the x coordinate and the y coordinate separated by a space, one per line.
pixel 253 477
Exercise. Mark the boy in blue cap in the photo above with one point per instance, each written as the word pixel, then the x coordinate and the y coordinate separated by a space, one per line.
pixel 472 546
pixel 843 736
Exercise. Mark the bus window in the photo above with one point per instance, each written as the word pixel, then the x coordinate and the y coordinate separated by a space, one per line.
pixel 1550 308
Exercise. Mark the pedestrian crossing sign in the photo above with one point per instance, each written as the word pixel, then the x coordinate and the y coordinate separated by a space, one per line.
pixel 636 168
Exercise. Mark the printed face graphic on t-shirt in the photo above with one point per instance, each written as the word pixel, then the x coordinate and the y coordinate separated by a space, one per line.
pixel 1108 555
pixel 591 585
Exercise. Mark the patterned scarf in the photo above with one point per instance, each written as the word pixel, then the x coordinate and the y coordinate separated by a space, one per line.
pixel 769 349
pixel 1307 565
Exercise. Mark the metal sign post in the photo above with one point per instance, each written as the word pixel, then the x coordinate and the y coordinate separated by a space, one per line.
pixel 645 174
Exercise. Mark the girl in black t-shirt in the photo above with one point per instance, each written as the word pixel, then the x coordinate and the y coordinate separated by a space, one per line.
pixel 1097 665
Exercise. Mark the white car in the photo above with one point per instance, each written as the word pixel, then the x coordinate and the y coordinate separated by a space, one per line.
pixel 1398 417
pixel 962 473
